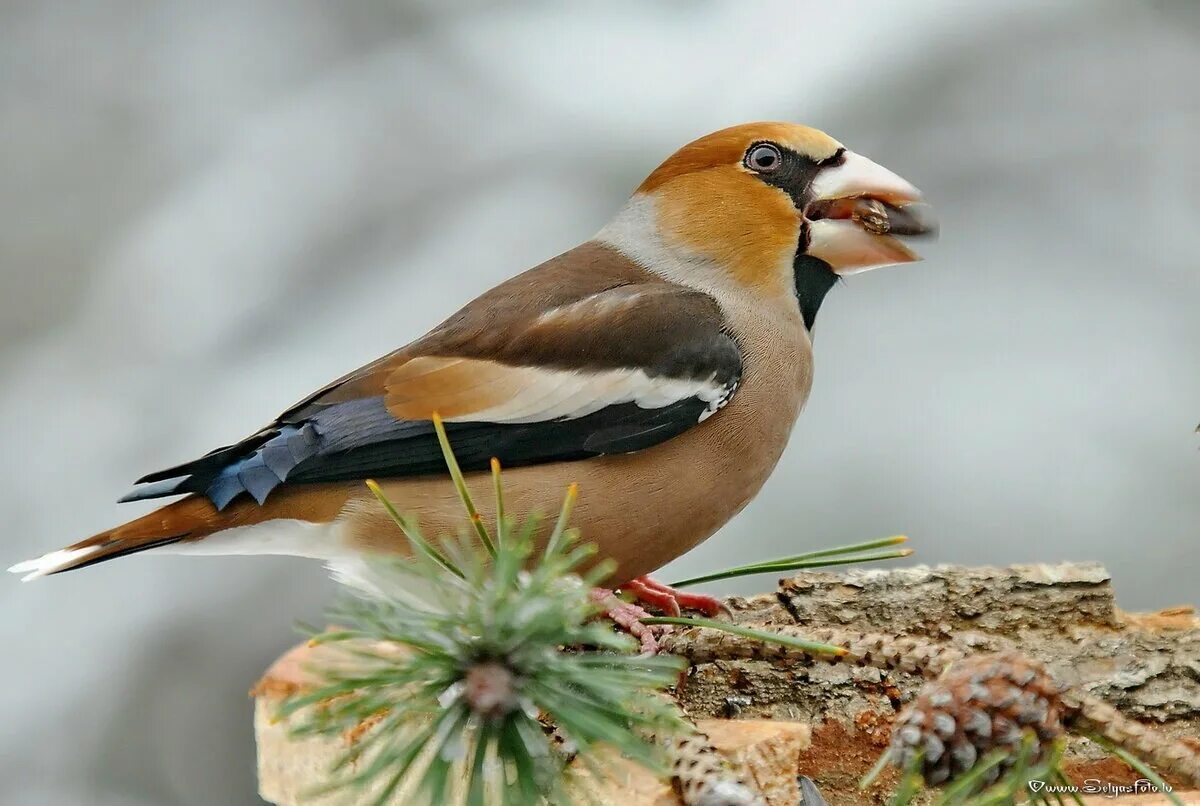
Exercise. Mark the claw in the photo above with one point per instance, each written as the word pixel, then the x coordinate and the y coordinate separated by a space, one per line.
pixel 628 616
pixel 670 600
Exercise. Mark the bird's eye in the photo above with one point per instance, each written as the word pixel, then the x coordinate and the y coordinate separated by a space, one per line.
pixel 764 158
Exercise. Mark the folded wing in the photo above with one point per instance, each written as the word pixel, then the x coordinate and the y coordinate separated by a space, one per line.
pixel 582 373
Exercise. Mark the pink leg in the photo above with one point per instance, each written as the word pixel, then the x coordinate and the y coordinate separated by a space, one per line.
pixel 670 600
pixel 628 617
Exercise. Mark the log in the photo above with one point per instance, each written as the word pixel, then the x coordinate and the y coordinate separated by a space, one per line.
pixel 831 721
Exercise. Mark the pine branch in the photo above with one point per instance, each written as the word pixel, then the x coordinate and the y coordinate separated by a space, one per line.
pixel 448 671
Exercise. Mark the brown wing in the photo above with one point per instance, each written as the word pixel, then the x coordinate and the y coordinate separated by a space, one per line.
pixel 582 356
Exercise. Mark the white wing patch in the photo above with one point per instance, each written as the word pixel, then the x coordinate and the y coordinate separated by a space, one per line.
pixel 715 405
pixel 600 304
pixel 566 395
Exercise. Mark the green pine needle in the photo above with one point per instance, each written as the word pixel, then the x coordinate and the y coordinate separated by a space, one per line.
pixel 910 782
pixel 972 788
pixel 881 764
pixel 460 485
pixel 841 555
pixel 1062 779
pixel 564 516
pixel 1138 766
pixel 1014 784
pixel 502 524
pixel 410 530
pixel 811 647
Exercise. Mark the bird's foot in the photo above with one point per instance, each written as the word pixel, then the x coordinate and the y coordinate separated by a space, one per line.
pixel 671 600
pixel 628 617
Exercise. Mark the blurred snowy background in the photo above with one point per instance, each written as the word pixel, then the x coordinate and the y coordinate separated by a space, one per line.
pixel 208 209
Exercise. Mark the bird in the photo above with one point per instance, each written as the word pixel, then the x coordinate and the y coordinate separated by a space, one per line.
pixel 660 366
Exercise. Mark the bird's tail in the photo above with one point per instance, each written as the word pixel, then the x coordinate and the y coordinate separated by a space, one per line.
pixel 186 520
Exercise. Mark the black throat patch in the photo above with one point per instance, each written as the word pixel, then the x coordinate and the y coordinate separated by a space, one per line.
pixel 814 278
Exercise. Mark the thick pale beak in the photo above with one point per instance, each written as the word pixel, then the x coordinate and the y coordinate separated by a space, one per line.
pixel 858 209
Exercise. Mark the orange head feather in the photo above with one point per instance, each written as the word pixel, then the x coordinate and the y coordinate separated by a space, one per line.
pixel 752 199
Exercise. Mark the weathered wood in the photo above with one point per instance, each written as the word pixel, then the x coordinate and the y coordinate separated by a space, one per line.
pixel 1147 665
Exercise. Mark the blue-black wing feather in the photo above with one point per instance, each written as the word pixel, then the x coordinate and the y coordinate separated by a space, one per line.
pixel 360 439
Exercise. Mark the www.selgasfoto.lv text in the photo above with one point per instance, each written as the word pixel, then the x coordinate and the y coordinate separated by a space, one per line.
pixel 1095 786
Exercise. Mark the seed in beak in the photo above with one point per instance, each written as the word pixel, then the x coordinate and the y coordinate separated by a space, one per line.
pixel 872 216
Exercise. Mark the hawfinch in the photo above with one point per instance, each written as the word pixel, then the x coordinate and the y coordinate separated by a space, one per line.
pixel 659 365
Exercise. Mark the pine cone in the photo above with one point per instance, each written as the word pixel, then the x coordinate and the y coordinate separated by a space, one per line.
pixel 704 777
pixel 979 704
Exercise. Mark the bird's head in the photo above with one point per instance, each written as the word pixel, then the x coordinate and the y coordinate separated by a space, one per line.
pixel 774 206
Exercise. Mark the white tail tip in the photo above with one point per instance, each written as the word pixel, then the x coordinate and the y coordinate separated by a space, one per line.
pixel 49 563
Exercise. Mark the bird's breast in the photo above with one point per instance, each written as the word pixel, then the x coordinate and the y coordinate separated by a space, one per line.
pixel 646 508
